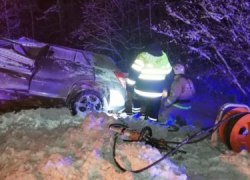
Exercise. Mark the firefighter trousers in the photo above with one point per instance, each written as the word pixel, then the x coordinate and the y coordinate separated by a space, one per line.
pixel 149 106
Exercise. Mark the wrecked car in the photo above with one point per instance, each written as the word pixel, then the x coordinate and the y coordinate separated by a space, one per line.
pixel 86 81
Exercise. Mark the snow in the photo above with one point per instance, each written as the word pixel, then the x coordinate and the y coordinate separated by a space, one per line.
pixel 213 31
pixel 51 144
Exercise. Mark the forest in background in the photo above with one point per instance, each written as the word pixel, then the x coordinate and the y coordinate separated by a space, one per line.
pixel 211 37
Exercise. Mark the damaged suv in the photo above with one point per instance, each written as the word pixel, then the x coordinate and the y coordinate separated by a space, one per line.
pixel 86 81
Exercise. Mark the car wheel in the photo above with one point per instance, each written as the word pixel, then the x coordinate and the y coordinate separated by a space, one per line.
pixel 86 102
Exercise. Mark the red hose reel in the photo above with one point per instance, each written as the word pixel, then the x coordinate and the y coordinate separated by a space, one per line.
pixel 235 132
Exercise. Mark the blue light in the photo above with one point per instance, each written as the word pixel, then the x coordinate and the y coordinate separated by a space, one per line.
pixel 136 116
pixel 243 148
pixel 170 122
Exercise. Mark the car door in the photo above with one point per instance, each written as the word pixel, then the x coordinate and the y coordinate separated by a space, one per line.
pixel 15 70
pixel 55 77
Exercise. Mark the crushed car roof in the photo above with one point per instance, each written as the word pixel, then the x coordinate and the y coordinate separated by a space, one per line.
pixel 10 60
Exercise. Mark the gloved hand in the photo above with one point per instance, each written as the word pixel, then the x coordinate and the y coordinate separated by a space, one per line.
pixel 164 94
pixel 166 104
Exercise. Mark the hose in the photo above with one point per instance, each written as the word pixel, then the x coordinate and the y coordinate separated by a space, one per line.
pixel 187 140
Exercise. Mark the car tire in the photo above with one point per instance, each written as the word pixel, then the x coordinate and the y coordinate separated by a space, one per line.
pixel 86 102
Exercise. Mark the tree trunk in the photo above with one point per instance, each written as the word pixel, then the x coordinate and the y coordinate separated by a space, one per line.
pixel 32 22
pixel 60 16
pixel 138 22
pixel 6 18
pixel 150 18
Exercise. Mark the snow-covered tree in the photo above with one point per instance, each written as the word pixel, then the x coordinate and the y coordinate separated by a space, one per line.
pixel 210 36
pixel 9 18
pixel 213 34
pixel 117 28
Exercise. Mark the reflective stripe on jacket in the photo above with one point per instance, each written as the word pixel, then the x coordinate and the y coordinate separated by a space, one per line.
pixel 148 73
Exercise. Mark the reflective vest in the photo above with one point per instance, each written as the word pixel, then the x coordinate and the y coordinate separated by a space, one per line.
pixel 147 74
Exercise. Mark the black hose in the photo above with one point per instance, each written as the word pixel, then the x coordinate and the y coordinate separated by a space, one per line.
pixel 210 130
pixel 118 125
pixel 216 126
pixel 139 170
pixel 114 147
pixel 179 144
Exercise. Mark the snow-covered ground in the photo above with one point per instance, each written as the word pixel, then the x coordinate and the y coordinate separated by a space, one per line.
pixel 51 144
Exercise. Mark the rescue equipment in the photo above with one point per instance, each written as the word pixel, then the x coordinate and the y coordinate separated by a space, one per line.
pixel 232 124
pixel 129 135
pixel 235 132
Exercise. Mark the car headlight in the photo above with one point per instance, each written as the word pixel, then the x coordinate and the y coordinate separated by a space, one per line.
pixel 116 98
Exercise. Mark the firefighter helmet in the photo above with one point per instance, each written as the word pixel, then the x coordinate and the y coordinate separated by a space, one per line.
pixel 179 69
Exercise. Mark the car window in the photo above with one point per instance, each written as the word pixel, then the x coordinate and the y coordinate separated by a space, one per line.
pixel 81 59
pixel 61 53
pixel 73 55
pixel 29 47
pixel 100 60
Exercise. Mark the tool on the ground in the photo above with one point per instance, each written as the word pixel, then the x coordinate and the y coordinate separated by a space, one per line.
pixel 161 144
pixel 125 132
pixel 233 120
pixel 145 135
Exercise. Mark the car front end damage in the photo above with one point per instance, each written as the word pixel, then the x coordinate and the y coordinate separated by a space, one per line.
pixel 85 80
pixel 114 82
pixel 117 99
pixel 113 96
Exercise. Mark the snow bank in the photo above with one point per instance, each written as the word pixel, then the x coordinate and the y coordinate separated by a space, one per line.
pixel 51 144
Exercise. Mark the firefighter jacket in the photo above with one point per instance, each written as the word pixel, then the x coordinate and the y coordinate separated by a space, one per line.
pixel 182 89
pixel 147 74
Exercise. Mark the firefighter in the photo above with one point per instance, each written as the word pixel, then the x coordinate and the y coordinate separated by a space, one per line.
pixel 178 102
pixel 148 74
